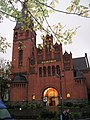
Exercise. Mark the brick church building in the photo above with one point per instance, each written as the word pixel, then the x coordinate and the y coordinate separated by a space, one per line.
pixel 43 74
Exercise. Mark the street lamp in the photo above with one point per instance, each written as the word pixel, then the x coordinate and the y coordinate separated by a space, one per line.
pixel 60 76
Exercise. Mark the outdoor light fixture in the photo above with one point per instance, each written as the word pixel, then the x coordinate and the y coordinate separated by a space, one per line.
pixel 20 109
pixel 60 76
pixel 33 97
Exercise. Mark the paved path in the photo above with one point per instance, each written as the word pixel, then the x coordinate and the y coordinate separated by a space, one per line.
pixel 84 119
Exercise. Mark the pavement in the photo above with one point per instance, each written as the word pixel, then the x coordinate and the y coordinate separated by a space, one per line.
pixel 84 119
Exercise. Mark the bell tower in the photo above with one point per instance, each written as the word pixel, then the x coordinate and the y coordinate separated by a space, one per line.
pixel 24 43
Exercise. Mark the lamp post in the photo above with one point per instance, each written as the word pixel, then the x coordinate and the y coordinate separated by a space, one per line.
pixel 61 97
pixel 60 76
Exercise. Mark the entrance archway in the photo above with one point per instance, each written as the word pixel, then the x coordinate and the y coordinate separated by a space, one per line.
pixel 50 97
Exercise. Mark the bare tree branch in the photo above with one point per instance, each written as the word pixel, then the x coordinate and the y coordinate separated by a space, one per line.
pixel 78 14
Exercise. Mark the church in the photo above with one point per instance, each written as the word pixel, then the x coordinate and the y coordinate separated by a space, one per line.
pixel 46 74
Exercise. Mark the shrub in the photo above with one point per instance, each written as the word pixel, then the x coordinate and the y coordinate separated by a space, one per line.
pixel 76 115
pixel 24 105
pixel 47 114
pixel 86 113
pixel 68 104
pixel 81 105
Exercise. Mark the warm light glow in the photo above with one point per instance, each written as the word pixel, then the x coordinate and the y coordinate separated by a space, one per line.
pixel 51 92
pixel 50 96
pixel 33 97
pixel 68 95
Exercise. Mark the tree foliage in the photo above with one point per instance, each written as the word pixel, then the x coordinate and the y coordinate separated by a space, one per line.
pixel 39 10
pixel 3 44
pixel 5 69
pixel 77 8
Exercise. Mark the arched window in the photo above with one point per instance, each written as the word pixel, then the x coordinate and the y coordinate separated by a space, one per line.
pixel 32 51
pixel 53 70
pixel 58 70
pixel 56 48
pixel 49 71
pixel 27 33
pixel 40 72
pixel 16 35
pixel 44 71
pixel 20 57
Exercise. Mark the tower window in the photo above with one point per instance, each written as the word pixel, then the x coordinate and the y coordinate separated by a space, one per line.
pixel 32 51
pixel 40 72
pixel 49 71
pixel 47 48
pixel 32 48
pixel 44 71
pixel 27 33
pixel 53 70
pixel 20 57
pixel 16 34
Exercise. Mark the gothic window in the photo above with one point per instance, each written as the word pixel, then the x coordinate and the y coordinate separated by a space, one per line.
pixel 32 48
pixel 20 57
pixel 27 33
pixel 53 70
pixel 56 48
pixel 44 71
pixel 32 61
pixel 47 48
pixel 58 69
pixel 40 72
pixel 16 34
pixel 32 51
pixel 49 71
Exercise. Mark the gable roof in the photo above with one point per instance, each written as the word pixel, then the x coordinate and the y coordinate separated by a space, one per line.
pixel 79 63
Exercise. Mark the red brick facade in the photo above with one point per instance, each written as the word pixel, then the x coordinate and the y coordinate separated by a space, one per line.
pixel 37 72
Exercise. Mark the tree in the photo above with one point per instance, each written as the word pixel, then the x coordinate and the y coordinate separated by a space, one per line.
pixel 3 44
pixel 39 11
pixel 5 68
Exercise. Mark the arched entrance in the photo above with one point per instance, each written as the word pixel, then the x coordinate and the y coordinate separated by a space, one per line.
pixel 50 97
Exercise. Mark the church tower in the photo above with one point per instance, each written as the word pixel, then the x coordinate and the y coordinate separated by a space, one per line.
pixel 24 44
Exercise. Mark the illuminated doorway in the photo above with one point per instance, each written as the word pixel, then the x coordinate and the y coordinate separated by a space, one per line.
pixel 50 97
